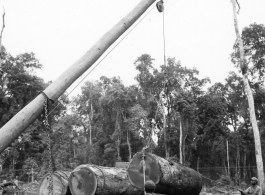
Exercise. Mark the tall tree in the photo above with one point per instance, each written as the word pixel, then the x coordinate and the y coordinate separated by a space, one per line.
pixel 18 86
pixel 87 106
pixel 136 124
pixel 244 70
pixel 212 129
pixel 237 107
pixel 115 100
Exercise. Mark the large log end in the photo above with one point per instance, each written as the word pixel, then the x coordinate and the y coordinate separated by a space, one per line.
pixel 169 177
pixel 60 183
pixel 135 170
pixel 83 182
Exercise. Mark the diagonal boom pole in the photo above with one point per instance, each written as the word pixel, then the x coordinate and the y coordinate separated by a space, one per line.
pixel 15 126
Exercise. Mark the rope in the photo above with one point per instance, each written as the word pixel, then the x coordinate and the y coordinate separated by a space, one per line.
pixel 164 38
pixel 149 138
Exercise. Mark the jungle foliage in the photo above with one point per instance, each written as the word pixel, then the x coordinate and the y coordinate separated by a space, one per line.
pixel 109 122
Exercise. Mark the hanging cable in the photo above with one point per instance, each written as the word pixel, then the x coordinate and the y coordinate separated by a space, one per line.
pixel 164 38
pixel 160 8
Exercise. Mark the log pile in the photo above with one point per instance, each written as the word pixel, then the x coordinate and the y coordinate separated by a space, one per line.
pixel 166 177
pixel 170 177
pixel 60 183
pixel 96 180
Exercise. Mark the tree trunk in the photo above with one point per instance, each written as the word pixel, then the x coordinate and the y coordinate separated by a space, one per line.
pixel 129 146
pixel 184 147
pixel 248 91
pixel 238 160
pixel 162 109
pixel 180 140
pixel 90 131
pixel 60 183
pixel 96 180
pixel 227 153
pixel 88 147
pixel 165 135
pixel 245 161
pixel 198 163
pixel 90 118
pixel 171 178
pixel 118 143
pixel 164 129
pixel 185 134
pixel 223 161
pixel 117 133
pixel 168 121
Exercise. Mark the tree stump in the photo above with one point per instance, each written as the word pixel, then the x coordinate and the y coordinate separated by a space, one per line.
pixel 170 177
pixel 96 180
pixel 60 183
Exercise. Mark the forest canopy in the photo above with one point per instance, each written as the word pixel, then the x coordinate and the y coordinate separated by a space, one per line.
pixel 110 122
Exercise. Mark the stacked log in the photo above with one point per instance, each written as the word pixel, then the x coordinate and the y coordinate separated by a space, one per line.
pixel 170 177
pixel 97 180
pixel 60 183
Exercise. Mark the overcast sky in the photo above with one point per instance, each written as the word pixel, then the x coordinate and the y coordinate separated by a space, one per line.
pixel 199 33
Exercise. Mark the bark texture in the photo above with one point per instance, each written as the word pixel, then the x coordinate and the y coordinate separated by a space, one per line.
pixel 248 91
pixel 60 183
pixel 170 177
pixel 180 140
pixel 91 179
pixel 227 154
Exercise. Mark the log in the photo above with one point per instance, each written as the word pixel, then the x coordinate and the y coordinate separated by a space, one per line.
pixel 97 180
pixel 170 177
pixel 60 183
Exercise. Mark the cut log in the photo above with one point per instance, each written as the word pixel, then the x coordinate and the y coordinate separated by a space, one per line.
pixel 60 183
pixel 170 178
pixel 96 180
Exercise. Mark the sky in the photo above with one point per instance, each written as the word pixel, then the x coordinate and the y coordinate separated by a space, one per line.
pixel 198 33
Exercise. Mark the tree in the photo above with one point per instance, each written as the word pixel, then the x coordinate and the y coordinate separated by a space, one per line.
pixel 137 125
pixel 253 38
pixel 115 100
pixel 87 107
pixel 165 92
pixel 212 128
pixel 18 83
pixel 18 86
pixel 244 70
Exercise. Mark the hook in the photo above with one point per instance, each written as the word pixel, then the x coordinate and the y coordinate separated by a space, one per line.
pixel 160 6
